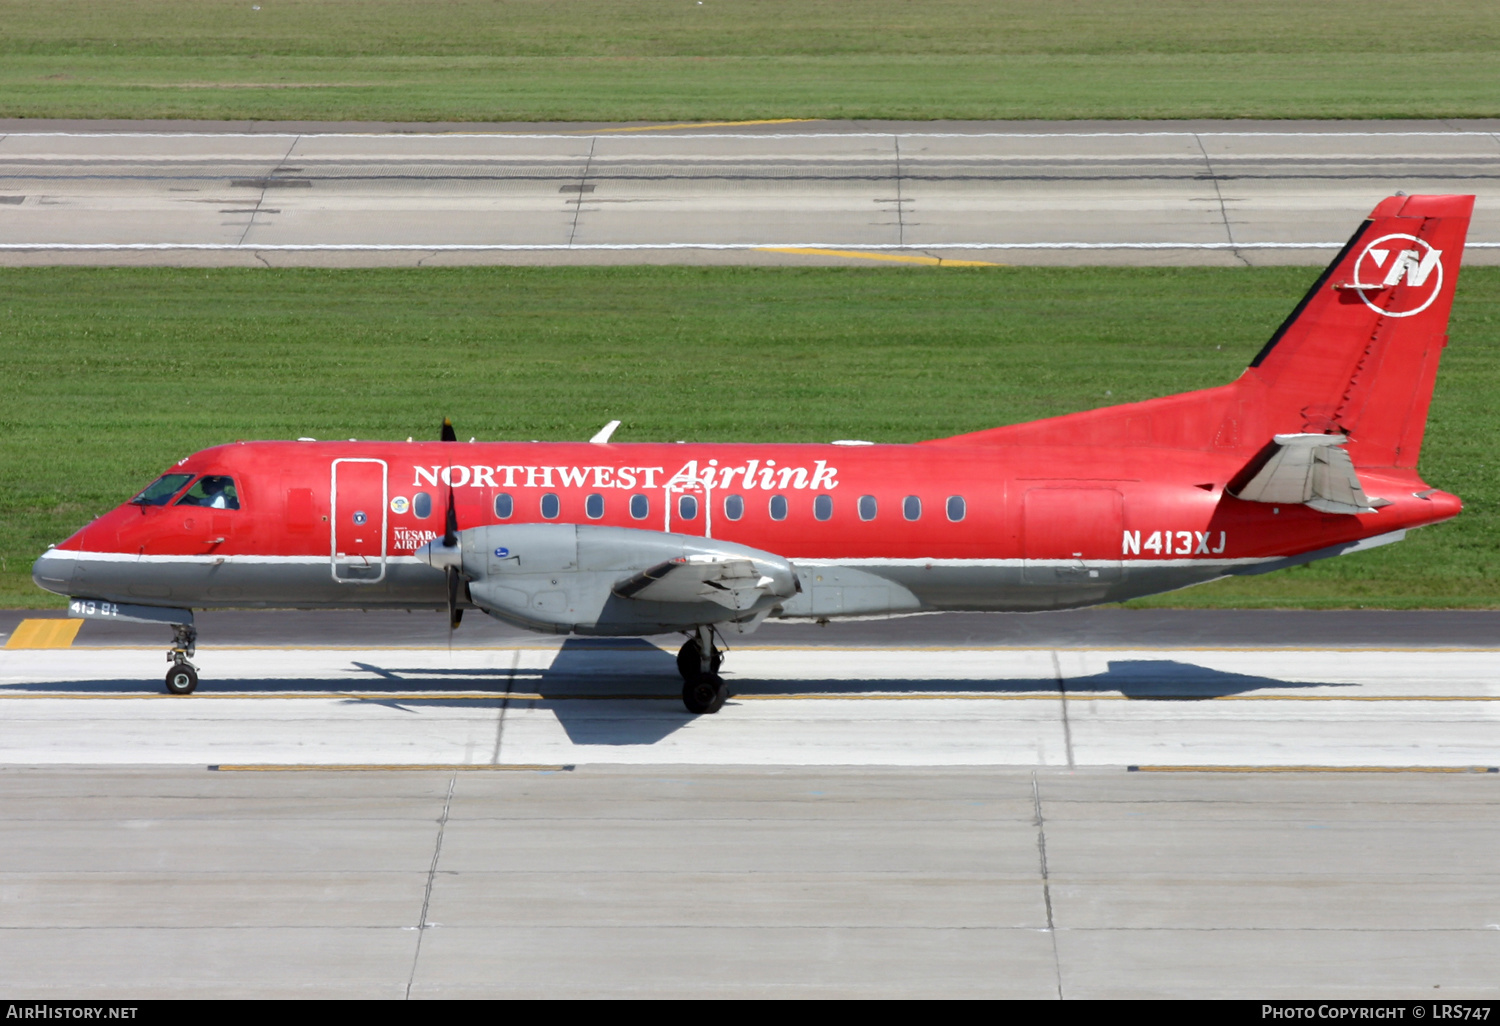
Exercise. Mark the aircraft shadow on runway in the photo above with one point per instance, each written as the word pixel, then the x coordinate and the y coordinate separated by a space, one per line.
pixel 627 692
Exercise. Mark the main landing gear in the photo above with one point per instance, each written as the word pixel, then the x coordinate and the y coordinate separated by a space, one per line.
pixel 703 690
pixel 182 678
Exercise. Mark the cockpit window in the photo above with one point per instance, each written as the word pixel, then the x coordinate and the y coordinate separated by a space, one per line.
pixel 212 491
pixel 160 491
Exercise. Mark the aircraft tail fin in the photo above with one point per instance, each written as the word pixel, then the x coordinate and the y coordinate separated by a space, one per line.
pixel 1359 355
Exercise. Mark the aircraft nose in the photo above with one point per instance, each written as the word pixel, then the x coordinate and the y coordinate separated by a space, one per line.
pixel 52 571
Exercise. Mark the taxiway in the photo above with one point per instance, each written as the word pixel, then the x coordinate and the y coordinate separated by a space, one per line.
pixel 1230 193
pixel 801 698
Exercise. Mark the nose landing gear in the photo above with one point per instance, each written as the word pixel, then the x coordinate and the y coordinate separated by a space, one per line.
pixel 182 678
pixel 703 690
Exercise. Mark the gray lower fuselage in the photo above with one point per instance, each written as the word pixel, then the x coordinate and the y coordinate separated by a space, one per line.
pixel 827 588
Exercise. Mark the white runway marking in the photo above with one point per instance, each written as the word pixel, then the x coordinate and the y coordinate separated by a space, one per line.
pixel 588 703
pixel 617 247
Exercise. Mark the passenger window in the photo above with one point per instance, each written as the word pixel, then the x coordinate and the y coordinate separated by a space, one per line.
pixel 421 505
pixel 867 507
pixel 594 506
pixel 212 491
pixel 955 508
pixel 734 506
pixel 911 508
pixel 160 491
pixel 504 506
pixel 550 506
pixel 640 506
pixel 823 507
pixel 687 507
pixel 778 507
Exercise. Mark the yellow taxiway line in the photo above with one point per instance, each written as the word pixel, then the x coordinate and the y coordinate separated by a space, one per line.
pixel 48 633
pixel 584 133
pixel 900 258
pixel 704 124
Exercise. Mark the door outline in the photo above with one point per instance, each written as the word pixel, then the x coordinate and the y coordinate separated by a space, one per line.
pixel 699 490
pixel 1072 569
pixel 333 521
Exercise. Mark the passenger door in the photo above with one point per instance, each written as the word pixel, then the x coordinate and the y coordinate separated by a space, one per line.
pixel 358 528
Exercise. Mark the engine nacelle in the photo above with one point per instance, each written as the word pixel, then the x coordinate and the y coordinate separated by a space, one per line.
pixel 572 578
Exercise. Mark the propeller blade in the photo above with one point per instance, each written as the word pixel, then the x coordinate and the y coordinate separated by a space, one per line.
pixel 450 540
pixel 454 613
pixel 450 523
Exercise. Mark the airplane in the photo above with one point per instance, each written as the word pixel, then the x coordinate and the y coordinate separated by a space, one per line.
pixel 1311 453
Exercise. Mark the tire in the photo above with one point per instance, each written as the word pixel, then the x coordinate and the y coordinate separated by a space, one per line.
pixel 687 660
pixel 707 694
pixel 181 680
pixel 721 694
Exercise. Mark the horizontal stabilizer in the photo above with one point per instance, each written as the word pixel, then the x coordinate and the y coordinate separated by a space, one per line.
pixel 1309 469
pixel 732 581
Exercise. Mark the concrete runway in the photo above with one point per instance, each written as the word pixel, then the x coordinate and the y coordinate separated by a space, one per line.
pixel 934 806
pixel 1228 193
pixel 131 883
pixel 1189 690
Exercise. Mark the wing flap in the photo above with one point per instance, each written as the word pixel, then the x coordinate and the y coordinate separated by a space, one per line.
pixel 731 581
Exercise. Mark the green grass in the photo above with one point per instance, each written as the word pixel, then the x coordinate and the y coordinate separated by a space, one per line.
pixel 113 374
pixel 622 60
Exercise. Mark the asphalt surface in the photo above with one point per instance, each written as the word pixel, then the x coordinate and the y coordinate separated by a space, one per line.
pixel 1229 193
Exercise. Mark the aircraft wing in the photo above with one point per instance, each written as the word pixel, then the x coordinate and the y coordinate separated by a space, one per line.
pixel 732 581
pixel 1309 469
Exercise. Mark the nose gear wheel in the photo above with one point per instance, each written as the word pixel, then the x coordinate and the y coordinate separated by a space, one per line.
pixel 182 678
pixel 705 694
pixel 703 690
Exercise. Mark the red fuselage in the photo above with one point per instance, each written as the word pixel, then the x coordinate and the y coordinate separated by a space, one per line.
pixel 1132 507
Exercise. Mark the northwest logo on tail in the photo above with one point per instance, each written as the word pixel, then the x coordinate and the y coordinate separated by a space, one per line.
pixel 1394 260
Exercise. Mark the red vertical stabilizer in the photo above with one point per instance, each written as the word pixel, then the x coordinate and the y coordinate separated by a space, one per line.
pixel 1360 353
pixel 1358 356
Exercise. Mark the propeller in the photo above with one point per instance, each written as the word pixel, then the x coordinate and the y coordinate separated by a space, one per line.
pixel 450 541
